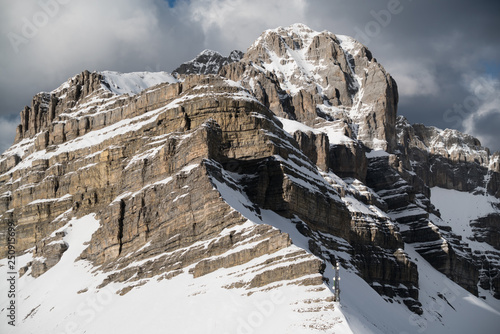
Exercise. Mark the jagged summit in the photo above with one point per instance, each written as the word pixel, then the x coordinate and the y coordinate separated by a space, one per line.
pixel 325 82
pixel 224 195
pixel 207 62
pixel 449 143
pixel 299 30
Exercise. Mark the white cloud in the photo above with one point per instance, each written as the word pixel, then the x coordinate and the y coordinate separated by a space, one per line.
pixel 232 24
pixel 480 125
pixel 414 79
pixel 482 110
pixel 90 32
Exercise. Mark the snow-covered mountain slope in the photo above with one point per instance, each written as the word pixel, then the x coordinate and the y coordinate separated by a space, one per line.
pixel 220 203
pixel 443 302
pixel 72 301
pixel 160 304
pixel 135 82
pixel 474 218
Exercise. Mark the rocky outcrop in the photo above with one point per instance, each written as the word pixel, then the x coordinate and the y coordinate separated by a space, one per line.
pixel 411 209
pixel 315 146
pixel 447 158
pixel 207 62
pixel 349 160
pixel 45 107
pixel 47 254
pixel 486 230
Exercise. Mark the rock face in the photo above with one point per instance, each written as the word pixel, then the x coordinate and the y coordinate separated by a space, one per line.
pixel 457 161
pixel 429 157
pixel 193 173
pixel 319 78
pixel 208 62
pixel 412 210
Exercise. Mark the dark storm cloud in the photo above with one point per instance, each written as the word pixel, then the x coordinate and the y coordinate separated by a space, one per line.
pixel 434 49
pixel 489 123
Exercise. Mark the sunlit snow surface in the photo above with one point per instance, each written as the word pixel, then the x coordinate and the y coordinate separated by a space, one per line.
pixel 66 300
pixel 135 82
pixel 459 208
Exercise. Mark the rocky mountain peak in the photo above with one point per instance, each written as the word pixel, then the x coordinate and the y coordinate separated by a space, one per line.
pixel 207 62
pixel 321 78
pixel 297 35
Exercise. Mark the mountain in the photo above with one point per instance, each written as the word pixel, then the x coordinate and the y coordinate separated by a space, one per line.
pixel 208 62
pixel 220 201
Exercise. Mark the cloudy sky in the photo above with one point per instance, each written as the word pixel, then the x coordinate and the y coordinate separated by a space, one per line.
pixel 445 55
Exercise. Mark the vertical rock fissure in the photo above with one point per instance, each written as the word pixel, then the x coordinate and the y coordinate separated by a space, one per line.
pixel 187 122
pixel 120 225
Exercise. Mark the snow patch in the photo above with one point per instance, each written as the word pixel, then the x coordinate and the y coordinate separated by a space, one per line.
pixel 135 82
